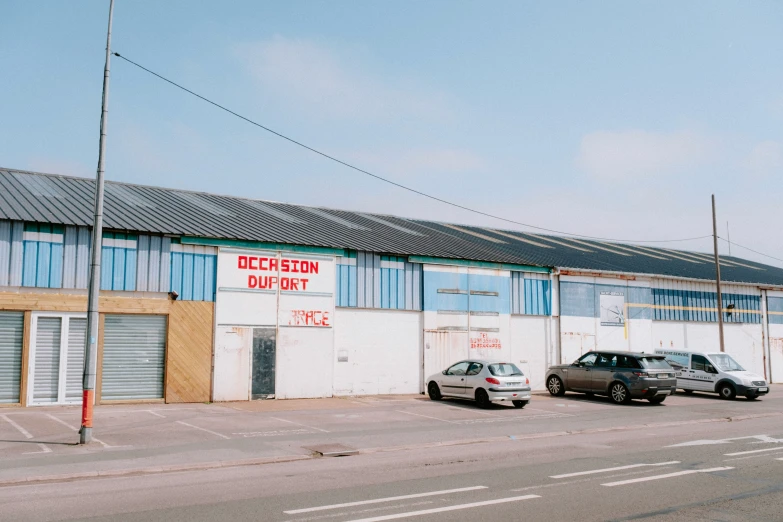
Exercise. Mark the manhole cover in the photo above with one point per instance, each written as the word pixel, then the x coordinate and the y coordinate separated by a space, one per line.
pixel 333 450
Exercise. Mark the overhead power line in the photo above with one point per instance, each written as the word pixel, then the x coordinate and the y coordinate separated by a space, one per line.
pixel 754 251
pixel 390 182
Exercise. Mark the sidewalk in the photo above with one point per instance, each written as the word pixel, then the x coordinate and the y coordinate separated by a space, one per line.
pixel 41 444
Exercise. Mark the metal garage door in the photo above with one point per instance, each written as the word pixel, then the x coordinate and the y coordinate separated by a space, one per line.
pixel 134 352
pixel 46 371
pixel 74 374
pixel 11 332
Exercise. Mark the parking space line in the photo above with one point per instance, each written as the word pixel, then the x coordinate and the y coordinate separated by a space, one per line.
pixel 380 500
pixel 18 427
pixel 44 449
pixel 300 424
pixel 77 429
pixel 752 451
pixel 425 416
pixel 203 429
pixel 447 508
pixel 155 414
pixel 667 475
pixel 618 468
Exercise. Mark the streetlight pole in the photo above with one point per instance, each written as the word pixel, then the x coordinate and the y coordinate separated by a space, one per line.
pixel 717 275
pixel 91 344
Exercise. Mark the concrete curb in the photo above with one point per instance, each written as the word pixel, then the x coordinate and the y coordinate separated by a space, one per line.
pixel 153 470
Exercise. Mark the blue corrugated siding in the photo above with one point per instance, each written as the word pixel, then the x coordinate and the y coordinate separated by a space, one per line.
pixel 42 265
pixel 775 309
pixel 531 294
pixel 118 261
pixel 368 280
pixel 686 305
pixel 193 273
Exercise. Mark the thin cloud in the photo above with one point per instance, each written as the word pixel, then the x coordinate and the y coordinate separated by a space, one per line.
pixel 317 79
pixel 766 158
pixel 635 154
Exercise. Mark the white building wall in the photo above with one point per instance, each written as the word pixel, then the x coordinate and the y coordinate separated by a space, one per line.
pixel 377 351
pixel 744 342
pixel 775 344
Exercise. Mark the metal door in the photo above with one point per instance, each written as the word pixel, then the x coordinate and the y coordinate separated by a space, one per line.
pixel 134 356
pixel 74 371
pixel 11 333
pixel 46 363
pixel 263 369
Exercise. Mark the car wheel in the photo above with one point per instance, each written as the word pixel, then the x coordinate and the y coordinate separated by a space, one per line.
pixel 482 399
pixel 727 391
pixel 619 393
pixel 555 386
pixel 657 400
pixel 434 392
pixel 519 404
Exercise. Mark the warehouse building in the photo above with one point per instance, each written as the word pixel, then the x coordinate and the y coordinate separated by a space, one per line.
pixel 208 297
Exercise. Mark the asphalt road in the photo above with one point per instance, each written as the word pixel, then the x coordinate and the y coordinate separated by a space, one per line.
pixel 682 464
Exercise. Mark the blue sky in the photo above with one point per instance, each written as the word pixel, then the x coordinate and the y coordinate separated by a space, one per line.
pixel 614 119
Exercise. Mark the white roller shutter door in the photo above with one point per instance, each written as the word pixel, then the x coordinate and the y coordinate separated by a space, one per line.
pixel 46 374
pixel 134 354
pixel 77 329
pixel 11 333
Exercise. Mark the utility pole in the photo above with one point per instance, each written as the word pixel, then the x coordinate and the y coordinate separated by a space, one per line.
pixel 728 236
pixel 91 344
pixel 717 274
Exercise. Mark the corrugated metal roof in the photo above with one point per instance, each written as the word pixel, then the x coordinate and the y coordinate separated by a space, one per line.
pixel 47 198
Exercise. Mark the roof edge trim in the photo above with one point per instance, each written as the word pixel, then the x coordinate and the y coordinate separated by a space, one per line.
pixel 260 245
pixel 477 264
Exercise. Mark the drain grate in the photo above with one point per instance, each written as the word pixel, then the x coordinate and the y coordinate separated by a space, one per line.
pixel 333 450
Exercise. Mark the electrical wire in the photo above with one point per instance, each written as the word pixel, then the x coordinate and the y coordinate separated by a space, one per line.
pixel 390 182
pixel 748 248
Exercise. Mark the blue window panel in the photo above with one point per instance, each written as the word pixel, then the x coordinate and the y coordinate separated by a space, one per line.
pixel 775 310
pixel 118 276
pixel 384 288
pixel 401 283
pixel 56 265
pixel 210 276
pixel 187 277
pixel 577 299
pixel 107 268
pixel 176 273
pixel 198 277
pixel 30 267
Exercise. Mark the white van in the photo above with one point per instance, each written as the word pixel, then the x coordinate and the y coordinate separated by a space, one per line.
pixel 714 372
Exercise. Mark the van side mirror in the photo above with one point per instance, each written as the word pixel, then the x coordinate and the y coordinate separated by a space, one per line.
pixel 711 369
pixel 444 372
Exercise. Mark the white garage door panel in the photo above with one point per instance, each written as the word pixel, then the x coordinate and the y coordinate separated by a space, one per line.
pixel 74 373
pixel 11 332
pixel 134 352
pixel 776 352
pixel 377 352
pixel 232 363
pixel 304 363
pixel 529 345
pixel 46 373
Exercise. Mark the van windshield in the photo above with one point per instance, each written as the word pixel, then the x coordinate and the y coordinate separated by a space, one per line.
pixel 655 363
pixel 504 369
pixel 725 363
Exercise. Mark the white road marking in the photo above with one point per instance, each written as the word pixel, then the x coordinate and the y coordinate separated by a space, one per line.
pixel 155 414
pixel 447 508
pixel 618 468
pixel 578 481
pixel 751 451
pixel 44 449
pixel 425 416
pixel 77 429
pixel 668 475
pixel 705 442
pixel 749 457
pixel 299 424
pixel 203 429
pixel 380 500
pixel 355 512
pixel 18 427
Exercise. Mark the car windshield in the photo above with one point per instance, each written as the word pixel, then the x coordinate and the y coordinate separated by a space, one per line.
pixel 654 363
pixel 725 363
pixel 504 369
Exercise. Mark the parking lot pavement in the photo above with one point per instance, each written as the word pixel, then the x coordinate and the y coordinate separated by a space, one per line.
pixel 43 441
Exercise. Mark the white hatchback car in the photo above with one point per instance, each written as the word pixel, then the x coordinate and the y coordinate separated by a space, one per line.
pixel 484 381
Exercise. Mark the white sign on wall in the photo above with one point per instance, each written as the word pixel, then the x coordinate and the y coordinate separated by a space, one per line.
pixel 268 271
pixel 612 308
